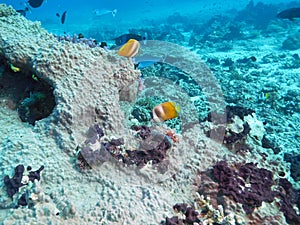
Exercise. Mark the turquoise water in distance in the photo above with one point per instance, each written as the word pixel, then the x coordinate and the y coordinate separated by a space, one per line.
pixel 130 14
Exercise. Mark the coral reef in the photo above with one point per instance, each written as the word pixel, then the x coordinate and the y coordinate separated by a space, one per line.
pixel 142 109
pixel 191 215
pixel 267 143
pixel 152 148
pixel 149 166
pixel 236 128
pixel 80 39
pixel 241 128
pixel 251 186
pixel 289 201
pixel 292 42
pixel 82 93
pixel 251 85
pixel 201 213
pixel 258 15
pixel 15 182
pixel 294 159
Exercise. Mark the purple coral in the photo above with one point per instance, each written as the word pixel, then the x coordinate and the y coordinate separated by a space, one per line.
pixel 248 185
pixel 92 43
pixel 153 147
pixel 288 198
pixel 13 184
pixel 174 221
pixel 191 215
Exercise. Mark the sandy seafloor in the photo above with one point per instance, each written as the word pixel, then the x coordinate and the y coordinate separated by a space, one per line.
pixel 112 193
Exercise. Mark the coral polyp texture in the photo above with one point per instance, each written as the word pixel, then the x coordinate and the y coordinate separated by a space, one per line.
pixel 87 82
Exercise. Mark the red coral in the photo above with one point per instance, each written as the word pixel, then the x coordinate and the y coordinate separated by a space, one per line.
pixel 172 135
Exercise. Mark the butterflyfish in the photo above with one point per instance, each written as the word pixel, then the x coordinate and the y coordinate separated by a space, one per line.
pixel 130 49
pixel 165 111
pixel 15 69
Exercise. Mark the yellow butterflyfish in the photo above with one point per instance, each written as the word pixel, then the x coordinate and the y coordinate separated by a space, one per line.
pixel 130 48
pixel 165 111
pixel 15 69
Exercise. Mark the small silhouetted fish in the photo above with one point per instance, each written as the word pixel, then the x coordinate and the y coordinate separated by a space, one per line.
pixel 35 3
pixel 103 44
pixel 57 14
pixel 23 11
pixel 103 12
pixel 289 13
pixel 63 17
pixel 121 40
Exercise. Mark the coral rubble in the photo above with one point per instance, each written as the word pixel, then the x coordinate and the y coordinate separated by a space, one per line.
pixel 152 148
pixel 19 179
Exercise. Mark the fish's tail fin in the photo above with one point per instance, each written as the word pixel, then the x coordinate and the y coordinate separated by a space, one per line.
pixel 114 12
pixel 177 107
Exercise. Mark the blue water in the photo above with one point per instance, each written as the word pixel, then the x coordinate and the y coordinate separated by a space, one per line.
pixel 80 14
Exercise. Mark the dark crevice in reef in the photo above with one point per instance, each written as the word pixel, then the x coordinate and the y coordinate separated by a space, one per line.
pixel 23 91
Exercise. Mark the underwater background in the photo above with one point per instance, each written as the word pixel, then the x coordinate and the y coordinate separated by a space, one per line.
pixel 198 122
pixel 130 15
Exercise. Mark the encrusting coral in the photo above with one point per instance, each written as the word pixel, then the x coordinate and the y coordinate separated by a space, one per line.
pixel 251 186
pixel 88 82
pixel 225 186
